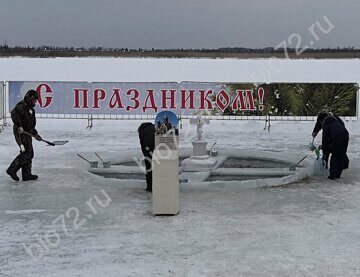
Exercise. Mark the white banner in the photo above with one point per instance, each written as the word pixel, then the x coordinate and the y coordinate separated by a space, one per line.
pixel 139 98
pixel 186 98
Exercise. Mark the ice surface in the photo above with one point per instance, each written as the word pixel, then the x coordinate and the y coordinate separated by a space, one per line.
pixel 168 70
pixel 310 228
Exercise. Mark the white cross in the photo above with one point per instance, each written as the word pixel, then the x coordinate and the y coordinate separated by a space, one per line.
pixel 199 121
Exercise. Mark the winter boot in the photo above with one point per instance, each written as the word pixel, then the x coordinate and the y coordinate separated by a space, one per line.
pixel 30 177
pixel 13 169
pixel 26 172
pixel 12 175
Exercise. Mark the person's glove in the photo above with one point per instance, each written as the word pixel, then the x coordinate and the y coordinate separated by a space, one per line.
pixel 21 130
pixel 314 134
pixel 22 148
pixel 38 137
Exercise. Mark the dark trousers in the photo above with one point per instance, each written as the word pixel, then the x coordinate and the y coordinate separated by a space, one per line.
pixel 24 159
pixel 148 167
pixel 339 160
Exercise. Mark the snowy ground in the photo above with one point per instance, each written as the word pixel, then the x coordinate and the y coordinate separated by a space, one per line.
pixel 170 70
pixel 305 229
pixel 310 228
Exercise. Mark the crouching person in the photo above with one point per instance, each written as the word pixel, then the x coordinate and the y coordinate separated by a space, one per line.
pixel 23 117
pixel 335 139
pixel 147 141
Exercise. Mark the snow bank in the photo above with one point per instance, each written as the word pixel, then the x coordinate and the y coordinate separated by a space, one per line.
pixel 167 70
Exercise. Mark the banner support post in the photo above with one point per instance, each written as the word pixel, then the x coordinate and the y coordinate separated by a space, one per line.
pixel 357 103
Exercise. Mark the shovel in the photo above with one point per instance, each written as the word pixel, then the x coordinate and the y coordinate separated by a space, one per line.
pixel 311 145
pixel 92 164
pixel 54 143
pixel 293 167
pixel 211 148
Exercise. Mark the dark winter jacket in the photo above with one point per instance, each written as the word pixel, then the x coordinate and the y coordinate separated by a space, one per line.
pixel 332 126
pixel 23 115
pixel 147 138
pixel 319 122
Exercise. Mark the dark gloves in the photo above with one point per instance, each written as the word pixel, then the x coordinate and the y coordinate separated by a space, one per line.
pixel 38 137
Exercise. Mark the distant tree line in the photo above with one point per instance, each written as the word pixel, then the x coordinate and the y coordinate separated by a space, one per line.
pixel 5 48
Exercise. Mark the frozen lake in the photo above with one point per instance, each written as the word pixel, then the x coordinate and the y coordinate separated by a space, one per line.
pixel 167 70
pixel 304 229
pixel 311 228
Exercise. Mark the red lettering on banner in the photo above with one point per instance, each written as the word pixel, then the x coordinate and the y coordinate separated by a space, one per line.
pixel 99 94
pixel 184 99
pixel 250 99
pixel 240 98
pixel 222 100
pixel 77 92
pixel 48 99
pixel 115 100
pixel 261 94
pixel 245 104
pixel 135 99
pixel 203 100
pixel 165 98
pixel 152 101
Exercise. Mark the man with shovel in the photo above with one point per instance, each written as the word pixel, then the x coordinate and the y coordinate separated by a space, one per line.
pixel 23 117
pixel 335 140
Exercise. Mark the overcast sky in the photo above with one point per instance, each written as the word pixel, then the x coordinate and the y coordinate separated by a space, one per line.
pixel 178 23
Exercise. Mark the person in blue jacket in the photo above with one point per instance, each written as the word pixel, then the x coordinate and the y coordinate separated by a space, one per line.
pixel 335 140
